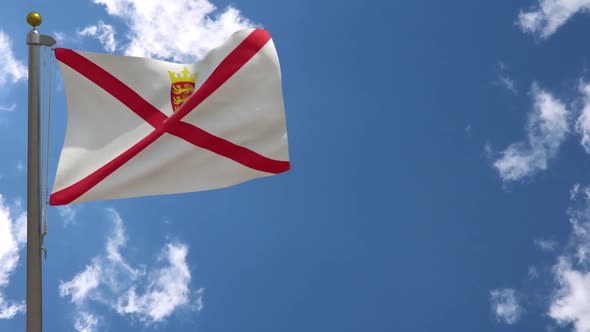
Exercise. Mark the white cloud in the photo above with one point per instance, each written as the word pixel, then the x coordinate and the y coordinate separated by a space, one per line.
pixel 547 16
pixel 580 221
pixel 179 30
pixel 109 270
pixel 150 295
pixel 60 37
pixel 546 130
pixel 68 213
pixel 199 304
pixel 570 303
pixel 546 245
pixel 10 108
pixel 13 234
pixel 583 121
pixel 569 295
pixel 574 191
pixel 577 191
pixel 504 80
pixel 505 305
pixel 86 322
pixel 115 243
pixel 9 310
pixel 507 83
pixel 167 288
pixel 82 284
pixel 105 33
pixel 11 69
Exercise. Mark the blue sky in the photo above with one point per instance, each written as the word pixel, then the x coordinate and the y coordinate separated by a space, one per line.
pixel 439 154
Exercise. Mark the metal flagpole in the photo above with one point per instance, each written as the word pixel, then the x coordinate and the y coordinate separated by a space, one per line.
pixel 34 304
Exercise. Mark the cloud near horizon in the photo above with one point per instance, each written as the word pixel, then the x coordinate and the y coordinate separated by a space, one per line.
pixel 566 294
pixel 148 295
pixel 570 300
pixel 13 237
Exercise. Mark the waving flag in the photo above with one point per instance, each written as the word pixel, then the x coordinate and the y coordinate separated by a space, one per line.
pixel 139 127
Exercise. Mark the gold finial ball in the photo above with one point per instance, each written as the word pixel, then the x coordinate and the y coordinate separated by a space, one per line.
pixel 34 19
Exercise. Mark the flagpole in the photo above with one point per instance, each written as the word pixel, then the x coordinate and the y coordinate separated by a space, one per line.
pixel 34 289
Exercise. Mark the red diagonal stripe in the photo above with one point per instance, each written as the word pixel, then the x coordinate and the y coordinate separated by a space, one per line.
pixel 199 137
pixel 71 193
pixel 240 154
pixel 111 85
pixel 229 66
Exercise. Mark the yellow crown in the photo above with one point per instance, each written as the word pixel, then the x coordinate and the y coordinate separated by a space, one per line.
pixel 183 76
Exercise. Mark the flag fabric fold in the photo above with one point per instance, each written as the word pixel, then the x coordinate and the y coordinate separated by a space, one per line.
pixel 140 127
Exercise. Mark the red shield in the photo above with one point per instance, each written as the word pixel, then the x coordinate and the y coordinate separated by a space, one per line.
pixel 179 93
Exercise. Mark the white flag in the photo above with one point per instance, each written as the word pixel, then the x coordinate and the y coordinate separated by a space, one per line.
pixel 139 127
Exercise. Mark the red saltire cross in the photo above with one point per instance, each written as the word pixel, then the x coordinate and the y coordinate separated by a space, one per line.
pixel 172 125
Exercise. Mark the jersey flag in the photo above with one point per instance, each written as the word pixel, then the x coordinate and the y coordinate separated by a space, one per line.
pixel 139 127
